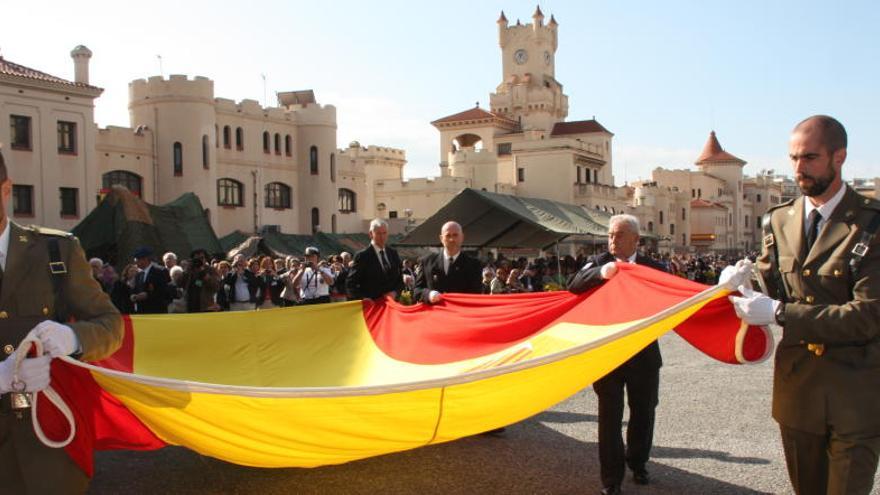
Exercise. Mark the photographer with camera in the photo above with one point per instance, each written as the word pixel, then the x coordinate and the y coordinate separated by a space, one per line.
pixel 240 286
pixel 313 279
pixel 200 282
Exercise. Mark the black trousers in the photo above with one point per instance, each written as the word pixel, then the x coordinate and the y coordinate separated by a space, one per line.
pixel 642 396
pixel 29 467
pixel 831 464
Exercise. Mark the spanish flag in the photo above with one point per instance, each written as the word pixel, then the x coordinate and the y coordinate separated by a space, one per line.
pixel 328 384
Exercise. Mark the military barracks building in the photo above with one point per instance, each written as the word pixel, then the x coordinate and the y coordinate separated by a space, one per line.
pixel 279 167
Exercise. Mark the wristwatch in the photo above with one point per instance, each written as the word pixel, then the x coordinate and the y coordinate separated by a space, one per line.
pixel 780 314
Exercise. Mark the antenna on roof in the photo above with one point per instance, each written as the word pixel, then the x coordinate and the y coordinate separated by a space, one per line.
pixel 161 72
pixel 263 75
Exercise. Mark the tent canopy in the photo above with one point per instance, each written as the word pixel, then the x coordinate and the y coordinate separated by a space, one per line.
pixel 505 221
pixel 122 222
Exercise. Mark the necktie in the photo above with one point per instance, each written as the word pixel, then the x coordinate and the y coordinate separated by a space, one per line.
pixel 812 228
pixel 385 265
pixel 449 265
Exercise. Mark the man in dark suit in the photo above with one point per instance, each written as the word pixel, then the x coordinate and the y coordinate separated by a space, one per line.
pixel 821 266
pixel 151 284
pixel 376 268
pixel 448 271
pixel 640 375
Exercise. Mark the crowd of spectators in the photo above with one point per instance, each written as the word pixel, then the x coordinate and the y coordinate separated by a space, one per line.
pixel 199 283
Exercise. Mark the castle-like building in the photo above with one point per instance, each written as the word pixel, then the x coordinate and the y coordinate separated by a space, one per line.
pixel 257 168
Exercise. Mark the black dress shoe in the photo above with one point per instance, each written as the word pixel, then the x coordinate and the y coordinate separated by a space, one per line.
pixel 611 490
pixel 640 477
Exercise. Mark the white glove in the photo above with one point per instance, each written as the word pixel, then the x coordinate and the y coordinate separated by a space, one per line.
pixel 737 275
pixel 34 372
pixel 755 308
pixel 434 297
pixel 608 270
pixel 58 340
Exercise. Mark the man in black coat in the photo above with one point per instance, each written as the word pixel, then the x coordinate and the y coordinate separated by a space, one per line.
pixel 376 268
pixel 150 294
pixel 640 375
pixel 448 271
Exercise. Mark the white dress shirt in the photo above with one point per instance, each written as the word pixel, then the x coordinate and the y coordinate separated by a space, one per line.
pixel 825 210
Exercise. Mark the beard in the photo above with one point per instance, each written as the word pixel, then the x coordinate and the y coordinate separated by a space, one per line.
pixel 816 185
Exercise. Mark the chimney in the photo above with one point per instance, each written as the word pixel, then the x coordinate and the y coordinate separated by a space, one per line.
pixel 81 56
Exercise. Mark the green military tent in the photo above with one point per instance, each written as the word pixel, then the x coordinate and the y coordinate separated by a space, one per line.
pixel 122 222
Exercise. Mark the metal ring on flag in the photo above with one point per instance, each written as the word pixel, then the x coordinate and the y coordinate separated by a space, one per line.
pixel 50 394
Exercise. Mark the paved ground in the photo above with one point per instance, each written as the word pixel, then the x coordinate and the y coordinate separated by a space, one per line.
pixel 714 435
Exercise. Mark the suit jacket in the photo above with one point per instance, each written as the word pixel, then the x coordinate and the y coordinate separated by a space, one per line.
pixel 826 305
pixel 590 276
pixel 253 284
pixel 465 276
pixel 367 279
pixel 155 284
pixel 27 295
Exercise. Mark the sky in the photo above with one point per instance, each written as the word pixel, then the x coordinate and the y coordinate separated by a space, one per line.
pixel 659 75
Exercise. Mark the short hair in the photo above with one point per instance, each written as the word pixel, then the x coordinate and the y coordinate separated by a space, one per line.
pixel 96 261
pixel 833 132
pixel 169 255
pixel 175 271
pixel 376 223
pixel 631 221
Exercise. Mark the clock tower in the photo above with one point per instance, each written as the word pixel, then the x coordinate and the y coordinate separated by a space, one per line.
pixel 529 93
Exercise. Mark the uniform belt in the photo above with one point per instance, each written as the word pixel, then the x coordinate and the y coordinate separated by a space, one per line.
pixel 6 404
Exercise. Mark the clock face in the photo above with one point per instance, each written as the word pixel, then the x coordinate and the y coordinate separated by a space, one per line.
pixel 520 56
pixel 547 58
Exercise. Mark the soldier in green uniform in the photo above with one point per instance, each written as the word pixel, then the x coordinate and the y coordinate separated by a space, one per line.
pixel 821 264
pixel 46 291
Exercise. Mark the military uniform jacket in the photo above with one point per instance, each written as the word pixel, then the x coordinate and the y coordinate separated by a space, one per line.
pixel 27 295
pixel 827 305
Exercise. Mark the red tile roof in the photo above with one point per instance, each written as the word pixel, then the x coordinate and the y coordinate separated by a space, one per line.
pixel 712 152
pixel 475 114
pixel 13 69
pixel 577 127
pixel 702 203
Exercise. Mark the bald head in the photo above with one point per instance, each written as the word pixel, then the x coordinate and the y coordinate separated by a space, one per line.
pixel 829 130
pixel 451 236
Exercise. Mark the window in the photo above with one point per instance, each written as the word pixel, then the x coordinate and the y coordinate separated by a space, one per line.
pixel 747 222
pixel 596 176
pixel 759 198
pixel 578 175
pixel 178 158
pixel 22 200
pixel 216 136
pixel 333 223
pixel 392 214
pixel 660 213
pixel 313 160
pixel 671 229
pixel 520 174
pixel 650 226
pixel 205 157
pixel 316 219
pixel 266 147
pixel 588 175
pixel 230 192
pixel 66 137
pixel 130 181
pixel 758 222
pixel 505 149
pixel 239 139
pixel 20 126
pixel 683 214
pixel 69 203
pixel 277 143
pixel 347 201
pixel 332 167
pixel 693 193
pixel 277 195
pixel 288 145
pixel 683 239
pixel 699 193
pixel 227 140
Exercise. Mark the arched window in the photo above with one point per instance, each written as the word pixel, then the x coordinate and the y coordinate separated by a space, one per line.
pixel 671 229
pixel 227 139
pixel 177 157
pixel 239 139
pixel 650 226
pixel 683 214
pixel 277 195
pixel 347 201
pixel 216 136
pixel 288 145
pixel 230 192
pixel 333 223
pixel 277 143
pixel 332 167
pixel 660 213
pixel 266 148
pixel 316 220
pixel 131 181
pixel 313 160
pixel 205 156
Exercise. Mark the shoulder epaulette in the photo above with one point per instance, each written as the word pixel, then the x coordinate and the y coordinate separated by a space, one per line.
pixel 869 203
pixel 51 232
pixel 781 205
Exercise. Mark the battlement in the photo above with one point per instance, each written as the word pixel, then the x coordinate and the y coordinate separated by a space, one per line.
pixel 356 151
pixel 115 137
pixel 426 185
pixel 175 86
